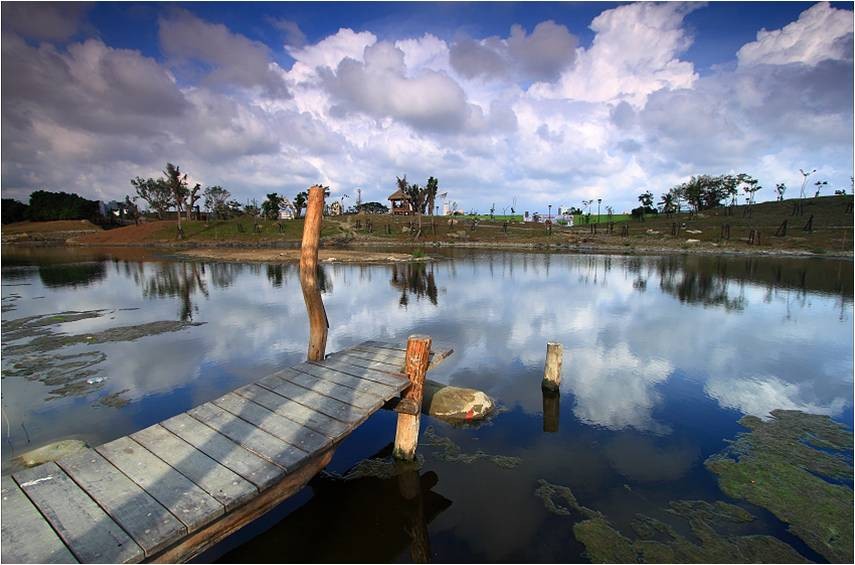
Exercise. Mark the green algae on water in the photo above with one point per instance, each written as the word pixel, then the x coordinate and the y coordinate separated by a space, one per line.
pixel 797 466
pixel 125 333
pixel 379 468
pixel 654 541
pixel 447 450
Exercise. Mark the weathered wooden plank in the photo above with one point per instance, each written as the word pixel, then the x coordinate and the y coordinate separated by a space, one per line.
pixel 437 355
pixel 294 411
pixel 363 368
pixel 379 373
pixel 248 465
pixel 283 428
pixel 251 437
pixel 345 394
pixel 329 406
pixel 356 382
pixel 197 542
pixel 391 362
pixel 25 536
pixel 85 528
pixel 178 494
pixel 151 525
pixel 229 488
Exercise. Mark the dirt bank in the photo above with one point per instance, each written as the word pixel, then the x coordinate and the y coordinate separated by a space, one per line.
pixel 286 255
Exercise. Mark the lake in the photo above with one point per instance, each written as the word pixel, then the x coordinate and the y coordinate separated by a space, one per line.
pixel 662 357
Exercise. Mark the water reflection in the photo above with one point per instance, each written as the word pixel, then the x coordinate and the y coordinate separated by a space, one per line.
pixel 182 280
pixel 753 334
pixel 373 516
pixel 416 279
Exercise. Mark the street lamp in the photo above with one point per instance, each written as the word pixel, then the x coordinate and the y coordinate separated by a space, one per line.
pixel 804 182
pixel 550 213
pixel 598 209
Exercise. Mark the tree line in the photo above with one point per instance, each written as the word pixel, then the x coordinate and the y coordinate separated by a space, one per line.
pixel 44 206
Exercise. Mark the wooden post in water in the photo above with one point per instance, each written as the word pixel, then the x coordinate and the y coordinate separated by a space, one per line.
pixel 552 368
pixel 318 324
pixel 416 362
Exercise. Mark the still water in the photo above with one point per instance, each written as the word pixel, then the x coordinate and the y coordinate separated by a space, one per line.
pixel 662 356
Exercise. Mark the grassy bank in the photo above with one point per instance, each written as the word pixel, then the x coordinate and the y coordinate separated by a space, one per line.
pixel 829 233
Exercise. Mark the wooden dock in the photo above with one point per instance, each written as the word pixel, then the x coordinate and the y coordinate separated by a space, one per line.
pixel 174 489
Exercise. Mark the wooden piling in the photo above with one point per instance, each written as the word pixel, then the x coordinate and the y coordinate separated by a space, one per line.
pixel 318 324
pixel 551 411
pixel 552 368
pixel 416 362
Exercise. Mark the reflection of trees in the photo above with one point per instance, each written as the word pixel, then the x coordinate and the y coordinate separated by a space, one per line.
pixel 73 274
pixel 177 279
pixel 696 285
pixel 223 275
pixel 706 280
pixel 415 278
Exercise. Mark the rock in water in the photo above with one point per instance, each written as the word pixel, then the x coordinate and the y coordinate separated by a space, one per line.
pixel 51 452
pixel 455 403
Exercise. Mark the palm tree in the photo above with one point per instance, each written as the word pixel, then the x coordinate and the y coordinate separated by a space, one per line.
pixel 177 184
pixel 667 203
pixel 431 188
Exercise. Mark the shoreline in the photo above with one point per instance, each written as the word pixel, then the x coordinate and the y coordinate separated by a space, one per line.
pixel 197 249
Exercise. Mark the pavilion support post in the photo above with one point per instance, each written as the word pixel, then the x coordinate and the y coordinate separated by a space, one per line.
pixel 416 363
pixel 318 324
pixel 552 367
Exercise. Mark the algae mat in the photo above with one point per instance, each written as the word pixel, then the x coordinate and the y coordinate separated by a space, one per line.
pixel 799 467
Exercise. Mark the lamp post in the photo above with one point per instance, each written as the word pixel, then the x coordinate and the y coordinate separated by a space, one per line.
pixel 550 213
pixel 598 209
pixel 804 182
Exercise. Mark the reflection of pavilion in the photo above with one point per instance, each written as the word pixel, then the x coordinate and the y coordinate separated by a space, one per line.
pixel 372 519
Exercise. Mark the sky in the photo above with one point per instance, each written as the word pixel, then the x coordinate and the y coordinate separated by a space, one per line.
pixel 521 104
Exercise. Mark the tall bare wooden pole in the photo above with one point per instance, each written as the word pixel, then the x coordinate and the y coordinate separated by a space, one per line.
pixel 416 363
pixel 318 324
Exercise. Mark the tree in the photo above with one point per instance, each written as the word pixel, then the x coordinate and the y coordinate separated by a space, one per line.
pixel 819 185
pixel 177 184
pixel 270 207
pixel 194 197
pixel 14 211
pixel 372 208
pixel 45 205
pixel 432 187
pixel 750 186
pixel 215 201
pixel 131 210
pixel 666 203
pixel 417 197
pixel 251 208
pixel 155 193
pixel 780 189
pixel 300 202
pixel 646 199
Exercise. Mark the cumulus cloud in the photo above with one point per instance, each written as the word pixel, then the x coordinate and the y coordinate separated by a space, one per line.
pixel 380 87
pixel 635 52
pixel 291 31
pixel 235 59
pixel 820 33
pixel 473 59
pixel 530 115
pixel 50 21
pixel 539 56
